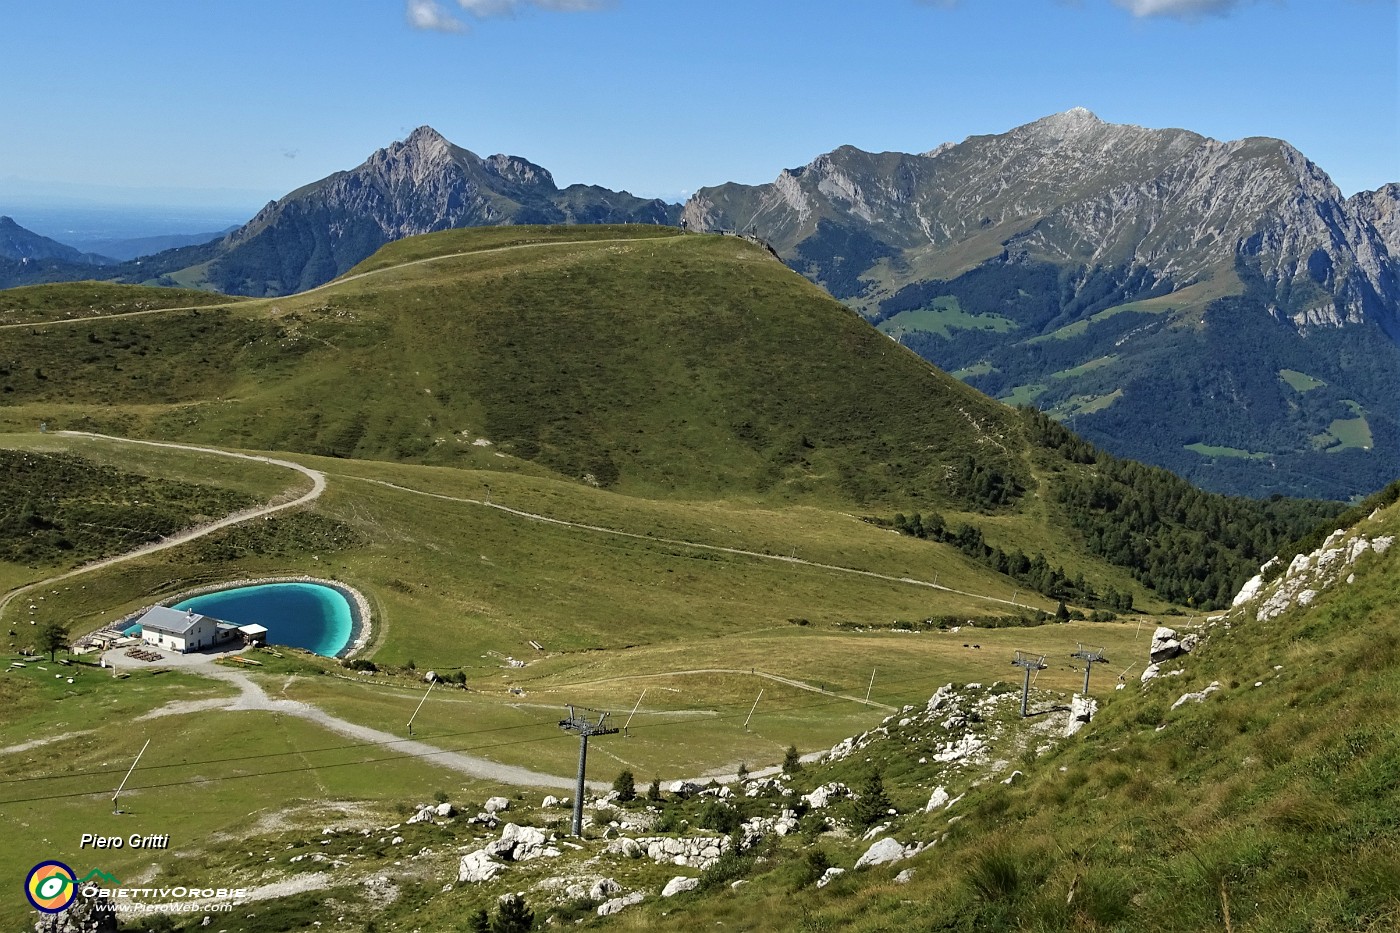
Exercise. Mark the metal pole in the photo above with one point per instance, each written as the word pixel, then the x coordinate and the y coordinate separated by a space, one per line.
pixel 872 685
pixel 1026 694
pixel 1088 666
pixel 578 796
pixel 431 685
pixel 128 775
pixel 755 706
pixel 634 712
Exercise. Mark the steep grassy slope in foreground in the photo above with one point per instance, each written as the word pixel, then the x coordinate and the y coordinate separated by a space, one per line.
pixel 1270 805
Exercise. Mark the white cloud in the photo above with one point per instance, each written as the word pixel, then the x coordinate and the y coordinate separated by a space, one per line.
pixel 427 14
pixel 433 14
pixel 481 9
pixel 1185 9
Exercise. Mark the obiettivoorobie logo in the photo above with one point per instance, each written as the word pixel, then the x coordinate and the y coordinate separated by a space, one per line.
pixel 52 886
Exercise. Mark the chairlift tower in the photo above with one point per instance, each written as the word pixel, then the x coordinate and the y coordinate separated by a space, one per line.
pixel 1089 655
pixel 1031 662
pixel 583 728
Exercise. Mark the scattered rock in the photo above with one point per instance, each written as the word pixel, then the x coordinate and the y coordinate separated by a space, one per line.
pixel 822 796
pixel 424 815
pixel 617 904
pixel 518 844
pixel 1198 697
pixel 84 915
pixel 497 804
pixel 694 851
pixel 830 875
pixel 883 852
pixel 678 885
pixel 937 800
pixel 904 877
pixel 603 888
pixel 1165 645
pixel 445 810
pixel 1081 710
pixel 477 867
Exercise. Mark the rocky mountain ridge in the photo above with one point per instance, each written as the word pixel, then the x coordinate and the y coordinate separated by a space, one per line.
pixel 1072 189
pixel 420 185
pixel 1217 308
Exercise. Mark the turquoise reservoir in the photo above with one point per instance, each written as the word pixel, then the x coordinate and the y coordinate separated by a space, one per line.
pixel 303 615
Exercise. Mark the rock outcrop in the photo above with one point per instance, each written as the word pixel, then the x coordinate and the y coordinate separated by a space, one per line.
pixel 885 851
pixel 1308 574
pixel 692 851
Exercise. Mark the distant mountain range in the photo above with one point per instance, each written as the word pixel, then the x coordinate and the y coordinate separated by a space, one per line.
pixel 1214 307
pixel 136 247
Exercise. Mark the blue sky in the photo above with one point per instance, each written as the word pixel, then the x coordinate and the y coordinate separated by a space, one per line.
pixel 213 102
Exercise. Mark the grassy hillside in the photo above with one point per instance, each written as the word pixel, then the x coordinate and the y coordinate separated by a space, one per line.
pixel 1268 806
pixel 694 366
pixel 70 301
pixel 578 449
pixel 630 358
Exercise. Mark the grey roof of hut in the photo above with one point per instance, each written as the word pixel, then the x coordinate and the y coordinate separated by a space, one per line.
pixel 170 621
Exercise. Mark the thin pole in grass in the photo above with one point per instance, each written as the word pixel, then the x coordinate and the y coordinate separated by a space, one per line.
pixel 128 776
pixel 634 712
pixel 431 684
pixel 754 707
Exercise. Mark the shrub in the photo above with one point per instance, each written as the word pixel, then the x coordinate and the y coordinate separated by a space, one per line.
pixel 814 866
pixel 719 817
pixel 792 762
pixel 873 805
pixel 512 916
pixel 626 787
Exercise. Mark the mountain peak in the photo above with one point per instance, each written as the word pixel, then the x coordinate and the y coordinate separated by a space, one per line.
pixel 425 134
pixel 427 143
pixel 1072 122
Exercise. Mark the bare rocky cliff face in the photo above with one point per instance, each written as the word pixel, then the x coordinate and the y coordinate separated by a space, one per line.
pixel 420 185
pixel 1073 190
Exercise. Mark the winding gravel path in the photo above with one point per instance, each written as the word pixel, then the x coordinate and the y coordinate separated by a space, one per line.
pixel 534 516
pixel 333 282
pixel 318 485
pixel 251 696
